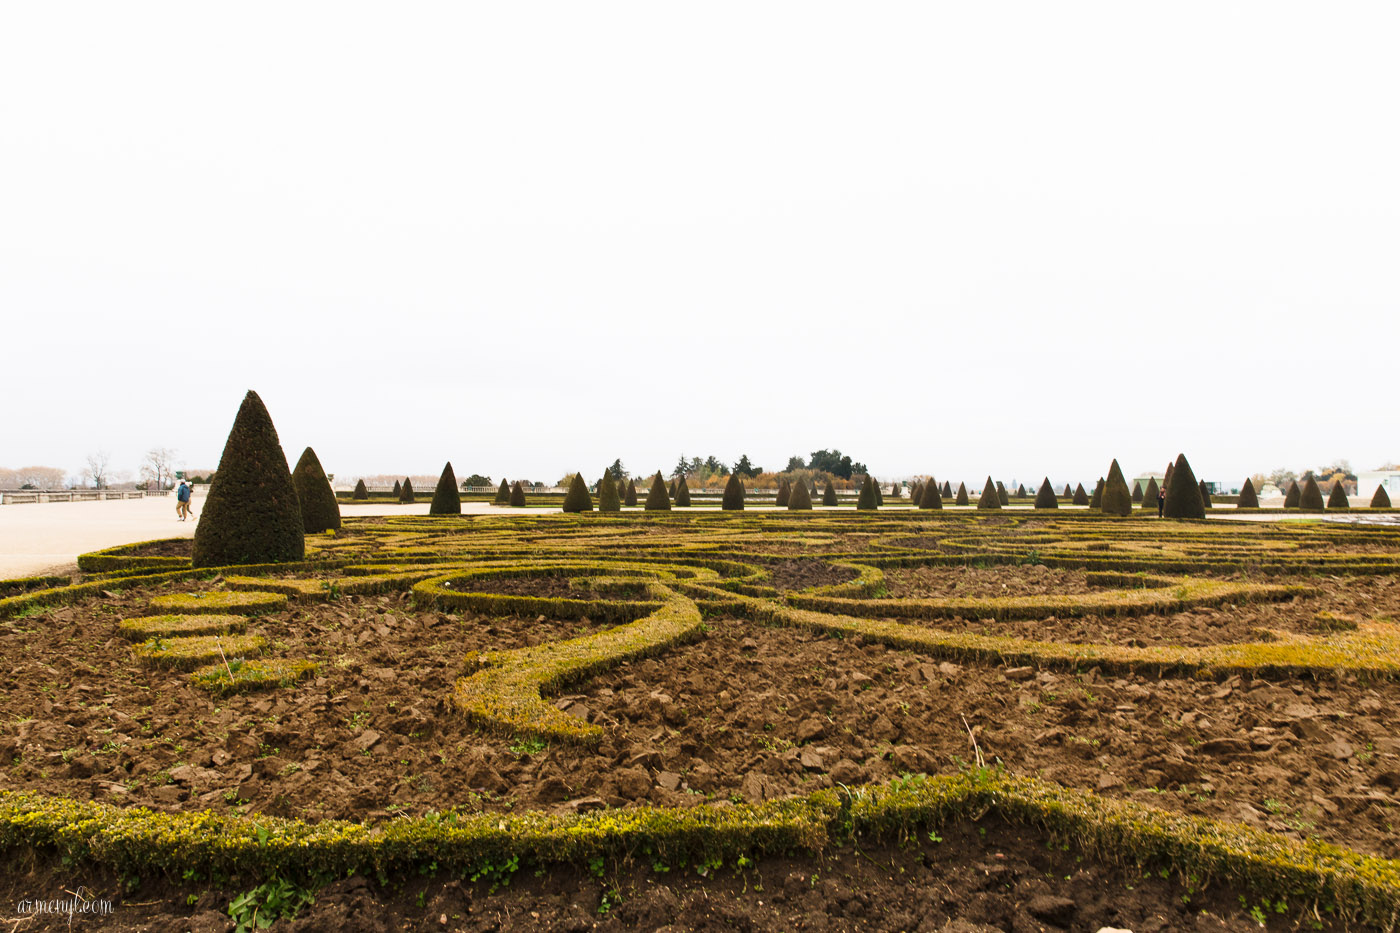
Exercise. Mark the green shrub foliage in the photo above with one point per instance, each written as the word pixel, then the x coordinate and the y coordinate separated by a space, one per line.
pixel 1205 495
pixel 1045 498
pixel 1079 497
pixel 1337 499
pixel 784 492
pixel 319 511
pixel 657 499
pixel 503 494
pixel 897 491
pixel 1151 495
pixel 446 499
pixel 1069 493
pixel 991 498
pixel 1183 492
pixel 948 491
pixel 682 494
pixel 361 491
pixel 931 499
pixel 608 499
pixel 879 493
pixel 251 514
pixel 1248 499
pixel 916 493
pixel 829 494
pixel 734 494
pixel 1310 499
pixel 1021 491
pixel 1096 500
pixel 801 497
pixel 962 498
pixel 631 498
pixel 1293 496
pixel 398 489
pixel 1116 498
pixel 812 488
pixel 406 490
pixel 1167 477
pixel 578 499
pixel 517 495
pixel 1002 497
pixel 867 501
pixel 1138 494
pixel 1381 500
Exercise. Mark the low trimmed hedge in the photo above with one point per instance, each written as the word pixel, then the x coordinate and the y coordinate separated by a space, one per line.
pixel 181 626
pixel 247 602
pixel 186 654
pixel 249 676
pixel 122 557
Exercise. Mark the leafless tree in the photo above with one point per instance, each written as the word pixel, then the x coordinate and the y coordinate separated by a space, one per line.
pixel 159 464
pixel 96 470
pixel 41 477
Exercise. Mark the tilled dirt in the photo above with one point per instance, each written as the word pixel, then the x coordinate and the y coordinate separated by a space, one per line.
pixel 801 574
pixel 984 877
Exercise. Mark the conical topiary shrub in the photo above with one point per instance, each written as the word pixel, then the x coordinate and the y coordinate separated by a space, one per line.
pixel 1116 498
pixel 631 498
pixel 812 488
pixel 1021 491
pixel 398 489
pixel 1293 496
pixel 829 494
pixel 867 501
pixel 1080 497
pixel 784 492
pixel 879 493
pixel 1381 500
pixel 682 494
pixel 801 498
pixel 733 500
pixel 657 499
pixel 1248 499
pixel 1205 495
pixel 608 499
pixel 1167 477
pixel 931 499
pixel 406 490
pixel 503 494
pixel 673 486
pixel 1002 497
pixel 1338 498
pixel 1150 497
pixel 1311 497
pixel 1184 493
pixel 897 491
pixel 962 498
pixel 1045 498
pixel 916 493
pixel 319 511
pixel 251 514
pixel 1138 494
pixel 1069 493
pixel 361 491
pixel 991 498
pixel 1096 500
pixel 517 496
pixel 446 499
pixel 578 499
pixel 948 491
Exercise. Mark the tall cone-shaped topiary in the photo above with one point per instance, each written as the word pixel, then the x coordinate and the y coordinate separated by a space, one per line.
pixel 1138 494
pixel 879 493
pixel 406 490
pixel 991 498
pixel 1080 497
pixel 517 496
pixel 1184 493
pixel 631 498
pixel 1096 500
pixel 361 491
pixel 897 491
pixel 682 494
pixel 947 490
pixel 812 488
pixel 1381 500
pixel 1293 496
pixel 931 499
pixel 446 499
pixel 578 499
pixel 1002 497
pixel 1069 493
pixel 1150 497
pixel 673 486
pixel 1167 477
pixel 1311 497
pixel 1248 499
pixel 784 493
pixel 503 493
pixel 867 501
pixel 398 489
pixel 733 500
pixel 800 500
pixel 1045 498
pixel 657 499
pixel 1338 497
pixel 319 511
pixel 608 499
pixel 251 514
pixel 916 493
pixel 829 494
pixel 1205 495
pixel 1021 491
pixel 962 498
pixel 1116 498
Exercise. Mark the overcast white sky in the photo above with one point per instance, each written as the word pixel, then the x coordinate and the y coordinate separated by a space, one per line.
pixel 1017 239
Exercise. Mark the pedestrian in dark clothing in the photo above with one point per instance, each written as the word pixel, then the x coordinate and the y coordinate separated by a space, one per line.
pixel 1161 499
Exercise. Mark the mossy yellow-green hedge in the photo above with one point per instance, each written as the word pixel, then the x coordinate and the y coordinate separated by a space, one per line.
pixel 186 654
pixel 246 602
pixel 181 626
pixel 248 676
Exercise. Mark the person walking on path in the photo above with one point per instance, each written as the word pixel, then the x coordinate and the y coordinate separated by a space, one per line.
pixel 1161 499
pixel 182 500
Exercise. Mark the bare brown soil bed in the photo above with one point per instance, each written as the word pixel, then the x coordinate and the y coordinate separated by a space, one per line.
pixel 984 877
pixel 801 574
pixel 173 547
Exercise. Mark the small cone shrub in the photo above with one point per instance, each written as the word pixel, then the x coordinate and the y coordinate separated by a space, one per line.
pixel 879 494
pixel 897 491
pixel 962 498
pixel 319 511
pixel 800 499
pixel 1311 498
pixel 251 514
pixel 398 489
pixel 673 487
pixel 406 490
pixel 578 499
pixel 1116 498
pixel 1205 496
pixel 446 499
pixel 829 496
pixel 1167 477
pixel 657 499
pixel 1045 498
pixel 916 493
pixel 631 498
pixel 503 494
pixel 517 496
pixel 1338 498
pixel 1021 491
pixel 931 498
pixel 1184 493
pixel 1293 496
pixel 1139 495
pixel 1381 500
pixel 867 501
pixel 1080 497
pixel 1002 497
pixel 361 491
pixel 991 498
pixel 733 495
pixel 948 491
pixel 784 493
pixel 1248 499
pixel 1069 493
pixel 682 494
pixel 812 488
pixel 1150 497
pixel 1096 500
pixel 608 499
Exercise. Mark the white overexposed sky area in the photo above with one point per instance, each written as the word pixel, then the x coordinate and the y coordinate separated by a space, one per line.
pixel 1018 239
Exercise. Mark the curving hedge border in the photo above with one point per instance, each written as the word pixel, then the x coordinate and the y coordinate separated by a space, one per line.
pixel 122 558
pixel 248 676
pixel 242 602
pixel 188 653
pixel 180 626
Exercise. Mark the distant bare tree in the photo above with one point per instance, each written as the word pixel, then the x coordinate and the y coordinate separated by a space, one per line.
pixel 97 467
pixel 158 466
pixel 9 479
pixel 40 477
